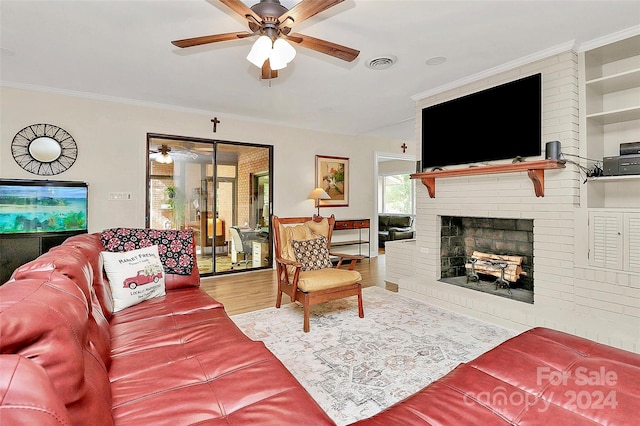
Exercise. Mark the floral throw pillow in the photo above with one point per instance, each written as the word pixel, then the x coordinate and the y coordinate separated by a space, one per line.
pixel 175 247
pixel 313 253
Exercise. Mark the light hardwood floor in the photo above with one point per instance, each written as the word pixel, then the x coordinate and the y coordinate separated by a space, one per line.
pixel 254 290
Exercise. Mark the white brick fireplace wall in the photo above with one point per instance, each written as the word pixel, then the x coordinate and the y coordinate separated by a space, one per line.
pixel 569 296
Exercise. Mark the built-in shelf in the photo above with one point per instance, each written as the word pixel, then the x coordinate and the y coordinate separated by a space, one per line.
pixel 535 170
pixel 613 178
pixel 615 83
pixel 616 116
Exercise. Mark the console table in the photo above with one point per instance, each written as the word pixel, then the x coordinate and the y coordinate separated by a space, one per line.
pixel 353 225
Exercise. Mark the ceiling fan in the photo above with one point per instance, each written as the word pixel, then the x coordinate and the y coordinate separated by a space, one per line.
pixel 273 22
pixel 161 154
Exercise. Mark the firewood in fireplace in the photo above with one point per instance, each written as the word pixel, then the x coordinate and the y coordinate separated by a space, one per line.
pixel 492 264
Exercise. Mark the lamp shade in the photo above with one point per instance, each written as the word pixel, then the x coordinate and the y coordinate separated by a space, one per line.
pixel 319 194
pixel 260 51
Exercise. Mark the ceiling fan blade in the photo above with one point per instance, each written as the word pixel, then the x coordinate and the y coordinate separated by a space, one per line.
pixel 341 52
pixel 196 41
pixel 304 10
pixel 267 72
pixel 241 9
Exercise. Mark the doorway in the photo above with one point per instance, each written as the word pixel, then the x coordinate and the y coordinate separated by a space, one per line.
pixel 390 165
pixel 210 187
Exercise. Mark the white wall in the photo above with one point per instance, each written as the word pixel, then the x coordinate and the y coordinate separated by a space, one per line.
pixel 562 283
pixel 111 140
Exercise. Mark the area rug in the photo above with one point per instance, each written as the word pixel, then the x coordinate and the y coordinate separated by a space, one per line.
pixel 355 367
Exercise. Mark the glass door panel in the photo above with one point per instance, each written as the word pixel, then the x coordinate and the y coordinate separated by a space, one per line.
pixel 218 190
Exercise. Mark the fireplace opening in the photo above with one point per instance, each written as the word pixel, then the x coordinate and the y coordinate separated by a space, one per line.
pixel 491 255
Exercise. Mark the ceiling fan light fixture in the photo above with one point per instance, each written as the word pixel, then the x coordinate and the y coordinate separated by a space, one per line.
pixel 276 63
pixel 283 51
pixel 164 158
pixel 260 51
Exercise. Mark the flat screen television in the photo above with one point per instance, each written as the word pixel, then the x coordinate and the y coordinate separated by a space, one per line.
pixel 42 206
pixel 503 122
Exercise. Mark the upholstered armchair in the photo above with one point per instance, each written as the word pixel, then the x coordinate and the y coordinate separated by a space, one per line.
pixel 304 267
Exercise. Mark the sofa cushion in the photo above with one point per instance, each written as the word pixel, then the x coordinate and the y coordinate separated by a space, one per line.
pixel 239 383
pixel 174 246
pixel 91 247
pixel 383 221
pixel 400 221
pixel 313 253
pixel 327 278
pixel 396 234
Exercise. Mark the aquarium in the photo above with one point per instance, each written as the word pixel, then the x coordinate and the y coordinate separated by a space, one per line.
pixel 42 206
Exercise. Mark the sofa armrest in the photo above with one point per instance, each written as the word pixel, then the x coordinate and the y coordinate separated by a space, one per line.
pixel 400 229
pixel 397 234
pixel 27 395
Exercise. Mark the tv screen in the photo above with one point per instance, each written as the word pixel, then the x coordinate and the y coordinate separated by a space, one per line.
pixel 34 206
pixel 499 123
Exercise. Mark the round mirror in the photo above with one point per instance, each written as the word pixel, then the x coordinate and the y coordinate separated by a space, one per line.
pixel 45 149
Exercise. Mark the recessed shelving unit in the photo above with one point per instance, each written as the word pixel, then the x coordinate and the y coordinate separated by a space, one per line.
pixel 535 170
pixel 611 84
pixel 611 108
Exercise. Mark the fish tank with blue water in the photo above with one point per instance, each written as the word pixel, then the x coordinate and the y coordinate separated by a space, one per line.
pixel 42 206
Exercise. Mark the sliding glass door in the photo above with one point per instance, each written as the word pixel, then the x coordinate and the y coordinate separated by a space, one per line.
pixel 221 191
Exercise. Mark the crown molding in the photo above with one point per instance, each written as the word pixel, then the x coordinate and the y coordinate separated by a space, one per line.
pixel 526 60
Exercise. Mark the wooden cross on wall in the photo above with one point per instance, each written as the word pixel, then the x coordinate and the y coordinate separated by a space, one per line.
pixel 215 122
pixel 404 147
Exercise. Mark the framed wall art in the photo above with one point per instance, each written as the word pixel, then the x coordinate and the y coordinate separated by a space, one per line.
pixel 332 175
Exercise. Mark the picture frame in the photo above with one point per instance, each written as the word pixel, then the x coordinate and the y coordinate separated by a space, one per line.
pixel 332 175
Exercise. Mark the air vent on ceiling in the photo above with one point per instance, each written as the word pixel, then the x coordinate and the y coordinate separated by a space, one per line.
pixel 381 62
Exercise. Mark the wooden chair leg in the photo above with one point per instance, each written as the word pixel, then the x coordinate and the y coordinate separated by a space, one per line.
pixel 306 317
pixel 279 298
pixel 360 306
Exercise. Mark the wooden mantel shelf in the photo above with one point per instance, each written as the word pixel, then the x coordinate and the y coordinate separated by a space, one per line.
pixel 535 169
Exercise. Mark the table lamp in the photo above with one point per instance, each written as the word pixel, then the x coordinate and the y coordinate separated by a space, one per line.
pixel 317 195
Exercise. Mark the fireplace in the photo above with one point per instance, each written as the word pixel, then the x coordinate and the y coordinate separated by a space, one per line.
pixel 461 237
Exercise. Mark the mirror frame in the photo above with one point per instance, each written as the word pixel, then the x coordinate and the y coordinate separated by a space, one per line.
pixel 44 149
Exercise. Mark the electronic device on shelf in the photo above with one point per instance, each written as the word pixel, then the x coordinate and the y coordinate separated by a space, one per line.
pixel 627 163
pixel 630 148
pixel 622 165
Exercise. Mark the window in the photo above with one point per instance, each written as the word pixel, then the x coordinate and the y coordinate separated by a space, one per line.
pixel 395 194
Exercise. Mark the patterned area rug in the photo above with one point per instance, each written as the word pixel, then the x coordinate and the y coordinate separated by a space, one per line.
pixel 355 367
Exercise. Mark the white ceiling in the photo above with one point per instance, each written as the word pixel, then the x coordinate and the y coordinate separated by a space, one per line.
pixel 121 49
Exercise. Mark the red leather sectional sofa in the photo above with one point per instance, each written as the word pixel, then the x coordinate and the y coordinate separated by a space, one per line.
pixel 180 360
pixel 174 360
